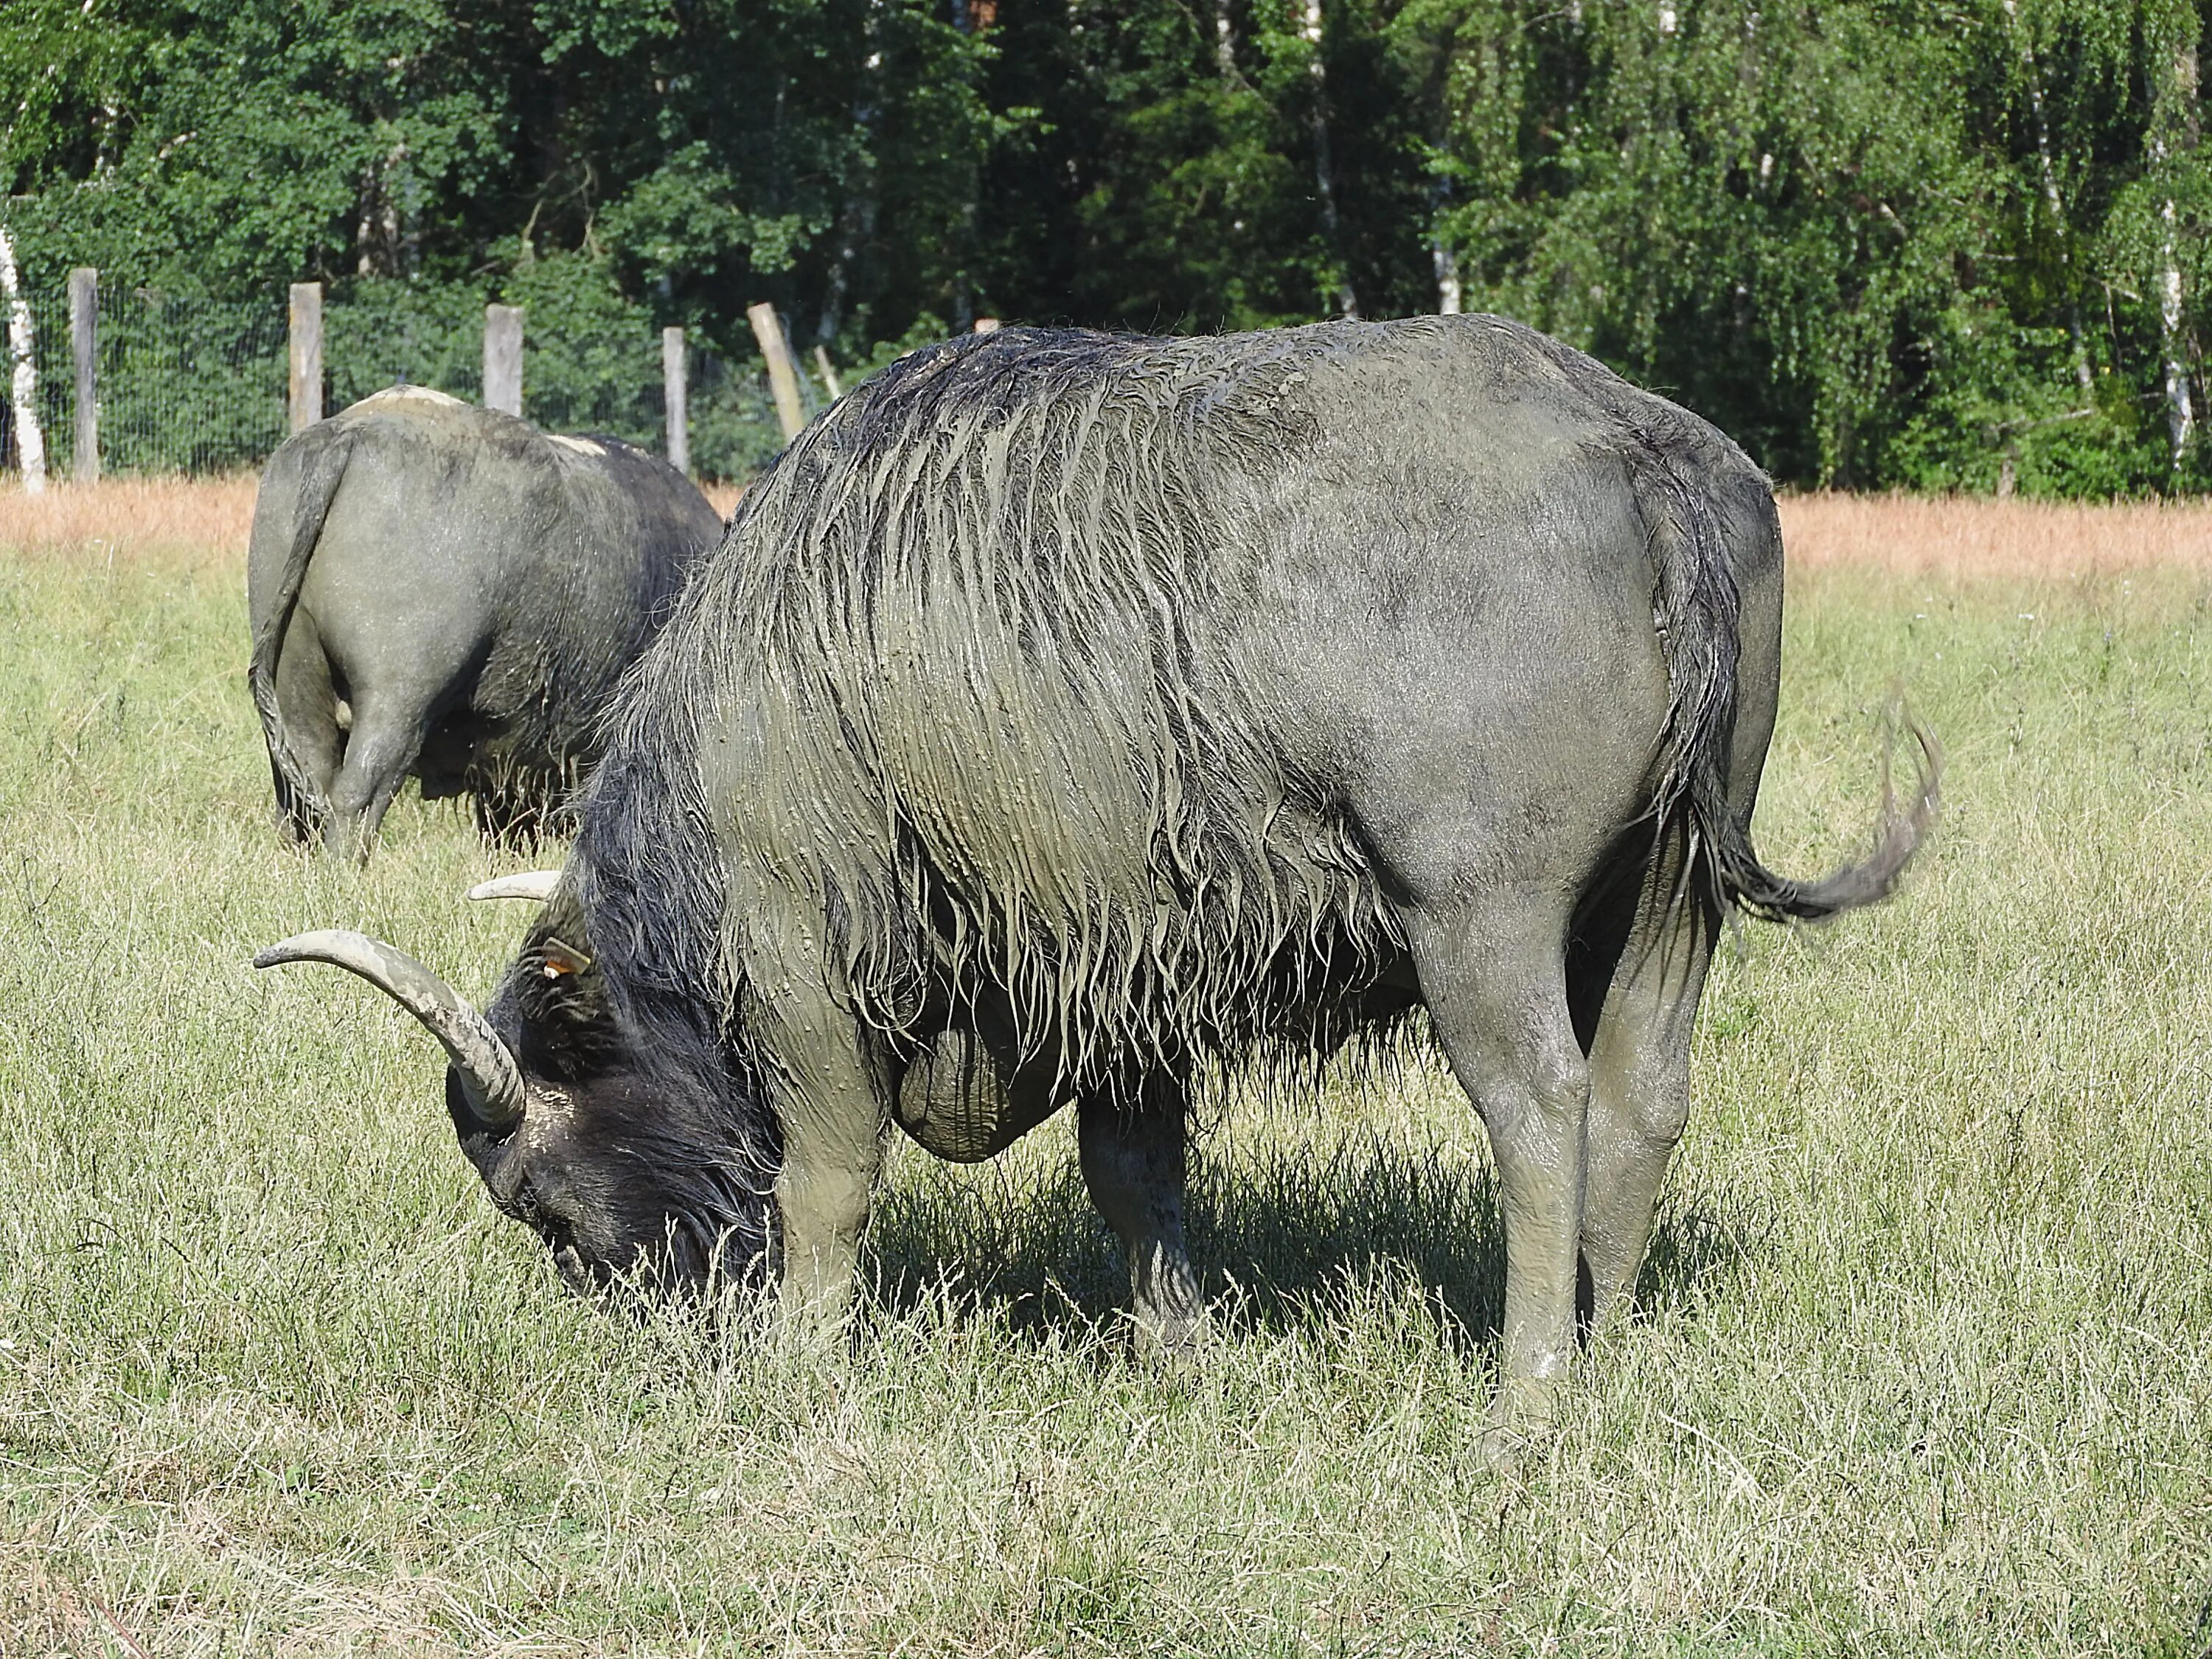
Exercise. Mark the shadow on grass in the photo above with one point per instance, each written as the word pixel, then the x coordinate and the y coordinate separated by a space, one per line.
pixel 1287 1238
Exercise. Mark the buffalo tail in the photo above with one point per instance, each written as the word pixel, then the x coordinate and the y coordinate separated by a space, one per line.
pixel 321 471
pixel 1696 604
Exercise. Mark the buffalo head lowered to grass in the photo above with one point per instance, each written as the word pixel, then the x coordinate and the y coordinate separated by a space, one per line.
pixel 1064 716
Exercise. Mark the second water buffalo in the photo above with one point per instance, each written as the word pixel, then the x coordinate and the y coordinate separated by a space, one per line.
pixel 445 591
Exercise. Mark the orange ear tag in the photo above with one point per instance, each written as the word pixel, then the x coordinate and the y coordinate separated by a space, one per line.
pixel 562 959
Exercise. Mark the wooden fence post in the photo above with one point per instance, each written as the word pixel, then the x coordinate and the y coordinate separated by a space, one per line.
pixel 306 354
pixel 502 358
pixel 675 399
pixel 782 372
pixel 84 347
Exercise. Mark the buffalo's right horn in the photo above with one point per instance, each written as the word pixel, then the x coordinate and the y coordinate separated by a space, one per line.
pixel 489 1077
pixel 529 884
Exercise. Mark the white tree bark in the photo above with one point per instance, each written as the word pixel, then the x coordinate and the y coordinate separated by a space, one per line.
pixel 2181 415
pixel 1449 295
pixel 23 378
pixel 2177 130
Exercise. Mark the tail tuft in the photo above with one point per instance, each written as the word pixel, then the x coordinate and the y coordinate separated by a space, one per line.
pixel 1744 881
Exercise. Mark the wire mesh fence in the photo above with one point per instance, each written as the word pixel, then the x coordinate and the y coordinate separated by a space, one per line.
pixel 397 335
pixel 195 385
pixel 186 384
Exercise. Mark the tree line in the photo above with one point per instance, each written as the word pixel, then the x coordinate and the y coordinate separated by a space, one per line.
pixel 1933 244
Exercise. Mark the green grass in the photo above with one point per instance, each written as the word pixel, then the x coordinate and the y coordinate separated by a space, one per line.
pixel 1927 1363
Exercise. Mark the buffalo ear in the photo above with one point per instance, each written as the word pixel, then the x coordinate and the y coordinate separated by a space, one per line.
pixel 567 1014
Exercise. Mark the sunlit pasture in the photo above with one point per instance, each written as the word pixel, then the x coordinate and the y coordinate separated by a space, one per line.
pixel 1924 1362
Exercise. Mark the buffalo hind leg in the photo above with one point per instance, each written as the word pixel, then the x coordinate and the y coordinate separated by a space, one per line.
pixel 1133 1162
pixel 380 752
pixel 1493 977
pixel 1640 1079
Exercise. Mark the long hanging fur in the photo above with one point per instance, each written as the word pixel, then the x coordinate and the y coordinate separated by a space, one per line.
pixel 1107 845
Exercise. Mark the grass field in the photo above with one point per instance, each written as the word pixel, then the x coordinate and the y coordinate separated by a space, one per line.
pixel 1926 1364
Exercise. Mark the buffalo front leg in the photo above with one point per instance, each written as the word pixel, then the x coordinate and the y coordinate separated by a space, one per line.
pixel 832 1126
pixel 830 1087
pixel 831 1161
pixel 1134 1163
pixel 1496 990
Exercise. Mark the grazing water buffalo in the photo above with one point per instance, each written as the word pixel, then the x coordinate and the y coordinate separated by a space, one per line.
pixel 446 590
pixel 1065 716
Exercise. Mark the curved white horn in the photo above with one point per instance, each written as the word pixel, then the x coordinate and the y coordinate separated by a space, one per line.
pixel 528 885
pixel 489 1077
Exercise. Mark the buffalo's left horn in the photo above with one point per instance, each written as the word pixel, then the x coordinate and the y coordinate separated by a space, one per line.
pixel 489 1077
pixel 529 884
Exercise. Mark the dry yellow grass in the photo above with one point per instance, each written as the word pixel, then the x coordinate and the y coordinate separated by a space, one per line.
pixel 203 522
pixel 197 520
pixel 1968 538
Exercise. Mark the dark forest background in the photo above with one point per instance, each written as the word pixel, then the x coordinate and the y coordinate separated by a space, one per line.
pixel 1881 242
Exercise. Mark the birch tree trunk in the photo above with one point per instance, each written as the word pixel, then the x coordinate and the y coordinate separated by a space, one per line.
pixel 965 18
pixel 2173 136
pixel 23 378
pixel 2181 415
pixel 1450 294
pixel 856 219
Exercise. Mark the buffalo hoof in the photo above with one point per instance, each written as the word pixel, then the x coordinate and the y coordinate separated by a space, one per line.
pixel 1522 1418
pixel 1503 1450
pixel 1169 1342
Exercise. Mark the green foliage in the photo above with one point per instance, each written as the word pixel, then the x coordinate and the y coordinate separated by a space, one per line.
pixel 384 332
pixel 1883 242
pixel 1827 227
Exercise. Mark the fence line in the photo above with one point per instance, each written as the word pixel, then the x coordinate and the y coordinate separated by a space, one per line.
pixel 183 385
pixel 192 385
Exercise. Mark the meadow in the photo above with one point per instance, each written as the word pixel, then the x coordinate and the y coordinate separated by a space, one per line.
pixel 1924 1363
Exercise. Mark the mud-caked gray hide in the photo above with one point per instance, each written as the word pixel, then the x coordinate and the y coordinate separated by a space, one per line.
pixel 1066 718
pixel 445 591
